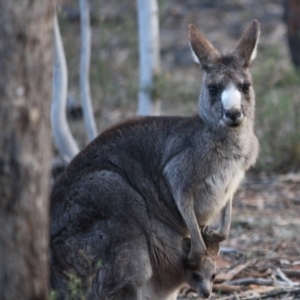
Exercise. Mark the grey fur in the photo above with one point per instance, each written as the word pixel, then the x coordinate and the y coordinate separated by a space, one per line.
pixel 132 195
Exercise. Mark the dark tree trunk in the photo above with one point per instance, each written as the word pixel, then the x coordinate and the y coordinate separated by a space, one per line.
pixel 292 19
pixel 25 146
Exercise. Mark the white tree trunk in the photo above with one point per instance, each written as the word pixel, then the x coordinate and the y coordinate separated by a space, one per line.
pixel 63 137
pixel 149 55
pixel 85 56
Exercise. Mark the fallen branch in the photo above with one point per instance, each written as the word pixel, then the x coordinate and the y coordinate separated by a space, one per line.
pixel 221 277
pixel 225 288
pixel 227 250
pixel 285 279
pixel 251 280
pixel 270 294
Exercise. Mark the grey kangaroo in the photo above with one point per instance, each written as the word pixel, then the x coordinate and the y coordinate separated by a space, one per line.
pixel 125 196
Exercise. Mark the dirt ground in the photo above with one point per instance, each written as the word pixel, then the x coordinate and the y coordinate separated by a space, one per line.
pixel 265 228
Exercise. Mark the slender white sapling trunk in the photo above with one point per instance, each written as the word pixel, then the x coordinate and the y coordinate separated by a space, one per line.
pixel 149 55
pixel 63 137
pixel 85 56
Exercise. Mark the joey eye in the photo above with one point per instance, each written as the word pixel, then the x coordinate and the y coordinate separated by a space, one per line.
pixel 196 276
pixel 213 90
pixel 213 277
pixel 245 88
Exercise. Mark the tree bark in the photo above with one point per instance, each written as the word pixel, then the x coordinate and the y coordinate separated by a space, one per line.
pixel 292 19
pixel 25 146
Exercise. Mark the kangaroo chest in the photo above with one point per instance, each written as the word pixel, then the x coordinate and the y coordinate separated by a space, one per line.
pixel 216 190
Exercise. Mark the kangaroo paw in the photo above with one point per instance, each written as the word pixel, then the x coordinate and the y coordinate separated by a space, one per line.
pixel 212 236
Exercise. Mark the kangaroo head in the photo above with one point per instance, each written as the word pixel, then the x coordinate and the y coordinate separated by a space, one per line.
pixel 227 96
pixel 201 279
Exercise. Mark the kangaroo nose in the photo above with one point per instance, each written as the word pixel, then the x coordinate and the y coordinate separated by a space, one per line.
pixel 233 114
pixel 206 294
pixel 233 117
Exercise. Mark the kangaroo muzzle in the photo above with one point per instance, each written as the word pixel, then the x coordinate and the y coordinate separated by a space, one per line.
pixel 205 290
pixel 233 117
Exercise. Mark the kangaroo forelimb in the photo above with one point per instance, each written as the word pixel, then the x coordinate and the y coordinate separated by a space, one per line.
pixel 198 248
pixel 222 232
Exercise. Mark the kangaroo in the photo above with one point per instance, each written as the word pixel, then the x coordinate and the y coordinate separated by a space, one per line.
pixel 147 179
pixel 160 279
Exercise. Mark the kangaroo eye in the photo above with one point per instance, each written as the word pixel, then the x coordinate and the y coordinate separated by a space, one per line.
pixel 196 276
pixel 245 88
pixel 213 277
pixel 213 90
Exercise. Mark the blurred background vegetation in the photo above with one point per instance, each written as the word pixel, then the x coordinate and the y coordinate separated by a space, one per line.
pixel 114 66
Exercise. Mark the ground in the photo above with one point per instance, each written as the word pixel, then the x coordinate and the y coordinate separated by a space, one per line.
pixel 261 257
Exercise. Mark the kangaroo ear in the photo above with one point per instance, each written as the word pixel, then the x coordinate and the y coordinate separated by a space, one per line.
pixel 203 51
pixel 247 45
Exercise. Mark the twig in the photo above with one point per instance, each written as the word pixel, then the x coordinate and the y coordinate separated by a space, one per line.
pixel 227 250
pixel 232 273
pixel 285 279
pixel 251 280
pixel 226 288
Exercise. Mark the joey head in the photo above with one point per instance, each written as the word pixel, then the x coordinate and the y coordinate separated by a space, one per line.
pixel 168 281
pixel 201 279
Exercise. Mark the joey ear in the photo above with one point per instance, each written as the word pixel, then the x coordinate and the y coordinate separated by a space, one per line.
pixel 203 51
pixel 213 249
pixel 247 45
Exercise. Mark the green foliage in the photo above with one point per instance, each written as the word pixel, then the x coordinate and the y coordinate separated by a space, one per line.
pixel 278 114
pixel 75 287
pixel 53 295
